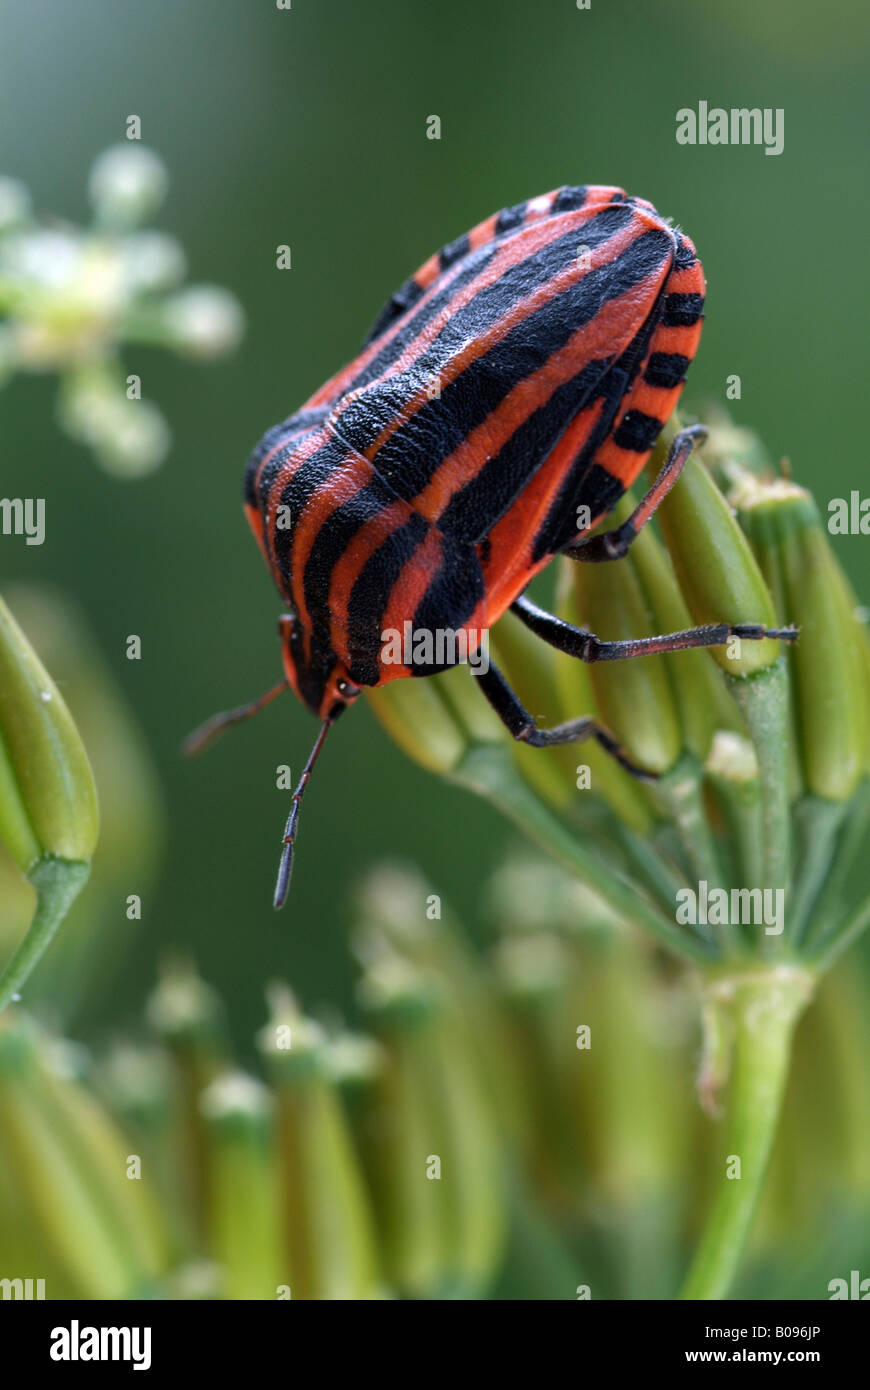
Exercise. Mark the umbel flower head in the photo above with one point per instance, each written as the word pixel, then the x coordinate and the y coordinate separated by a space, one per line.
pixel 759 753
pixel 525 1115
pixel 71 297
pixel 735 856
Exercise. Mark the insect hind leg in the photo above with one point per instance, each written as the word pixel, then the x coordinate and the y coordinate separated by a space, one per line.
pixel 613 545
pixel 523 728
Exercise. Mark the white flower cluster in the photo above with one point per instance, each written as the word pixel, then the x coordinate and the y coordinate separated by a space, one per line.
pixel 70 297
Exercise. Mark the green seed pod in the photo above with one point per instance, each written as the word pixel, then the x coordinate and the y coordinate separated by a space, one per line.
pixel 84 957
pixel 392 903
pixel 187 1015
pixel 138 1082
pixel 702 703
pixel 717 572
pixel 325 1208
pixel 537 974
pixel 433 1151
pixel 634 698
pixel 243 1203
pixel 49 818
pixel 48 802
pixel 827 663
pixel 418 718
pixel 622 792
pixel 529 666
pixel 631 1092
pixel 73 1173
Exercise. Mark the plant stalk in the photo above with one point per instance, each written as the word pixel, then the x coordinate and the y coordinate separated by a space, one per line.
pixel 58 883
pixel 765 1007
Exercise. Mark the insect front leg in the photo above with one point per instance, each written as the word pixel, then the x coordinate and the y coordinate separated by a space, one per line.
pixel 587 647
pixel 522 726
pixel 613 545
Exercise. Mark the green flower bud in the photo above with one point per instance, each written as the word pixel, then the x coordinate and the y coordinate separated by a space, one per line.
pixel 536 973
pixel 622 792
pixel 188 1014
pixel 392 904
pixel 634 697
pixel 732 773
pixel 352 1062
pixel 701 701
pixel 717 572
pixel 418 717
pixel 48 802
pixel 433 1152
pixel 243 1202
pixel 529 666
pixel 73 1172
pixel 628 1077
pixel 326 1211
pixel 827 664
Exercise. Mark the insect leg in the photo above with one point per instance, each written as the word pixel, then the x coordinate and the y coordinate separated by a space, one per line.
pixel 612 545
pixel 205 735
pixel 522 726
pixel 587 647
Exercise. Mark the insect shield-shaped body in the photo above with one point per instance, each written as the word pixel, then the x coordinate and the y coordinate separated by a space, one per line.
pixel 516 382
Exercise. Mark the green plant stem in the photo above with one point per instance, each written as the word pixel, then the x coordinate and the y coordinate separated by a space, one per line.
pixel 763 699
pixel 818 821
pixel 851 842
pixel 765 1007
pixel 839 938
pixel 489 771
pixel 662 879
pixel 58 883
pixel 679 794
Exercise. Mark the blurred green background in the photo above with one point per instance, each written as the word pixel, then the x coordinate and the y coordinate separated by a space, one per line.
pixel 308 127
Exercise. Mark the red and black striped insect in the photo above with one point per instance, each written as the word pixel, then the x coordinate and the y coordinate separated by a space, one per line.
pixel 516 383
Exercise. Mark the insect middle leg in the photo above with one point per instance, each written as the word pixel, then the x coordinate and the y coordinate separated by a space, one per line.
pixel 522 726
pixel 613 545
pixel 587 647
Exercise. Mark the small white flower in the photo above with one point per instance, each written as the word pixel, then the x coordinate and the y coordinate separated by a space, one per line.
pixel 127 183
pixel 45 258
pixel 15 205
pixel 235 1094
pixel 135 439
pixel 152 261
pixel 204 321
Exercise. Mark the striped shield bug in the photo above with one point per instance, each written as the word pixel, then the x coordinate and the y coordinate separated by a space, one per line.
pixel 507 396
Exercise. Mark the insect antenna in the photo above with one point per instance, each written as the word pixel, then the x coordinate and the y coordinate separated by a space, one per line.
pixel 285 868
pixel 205 735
